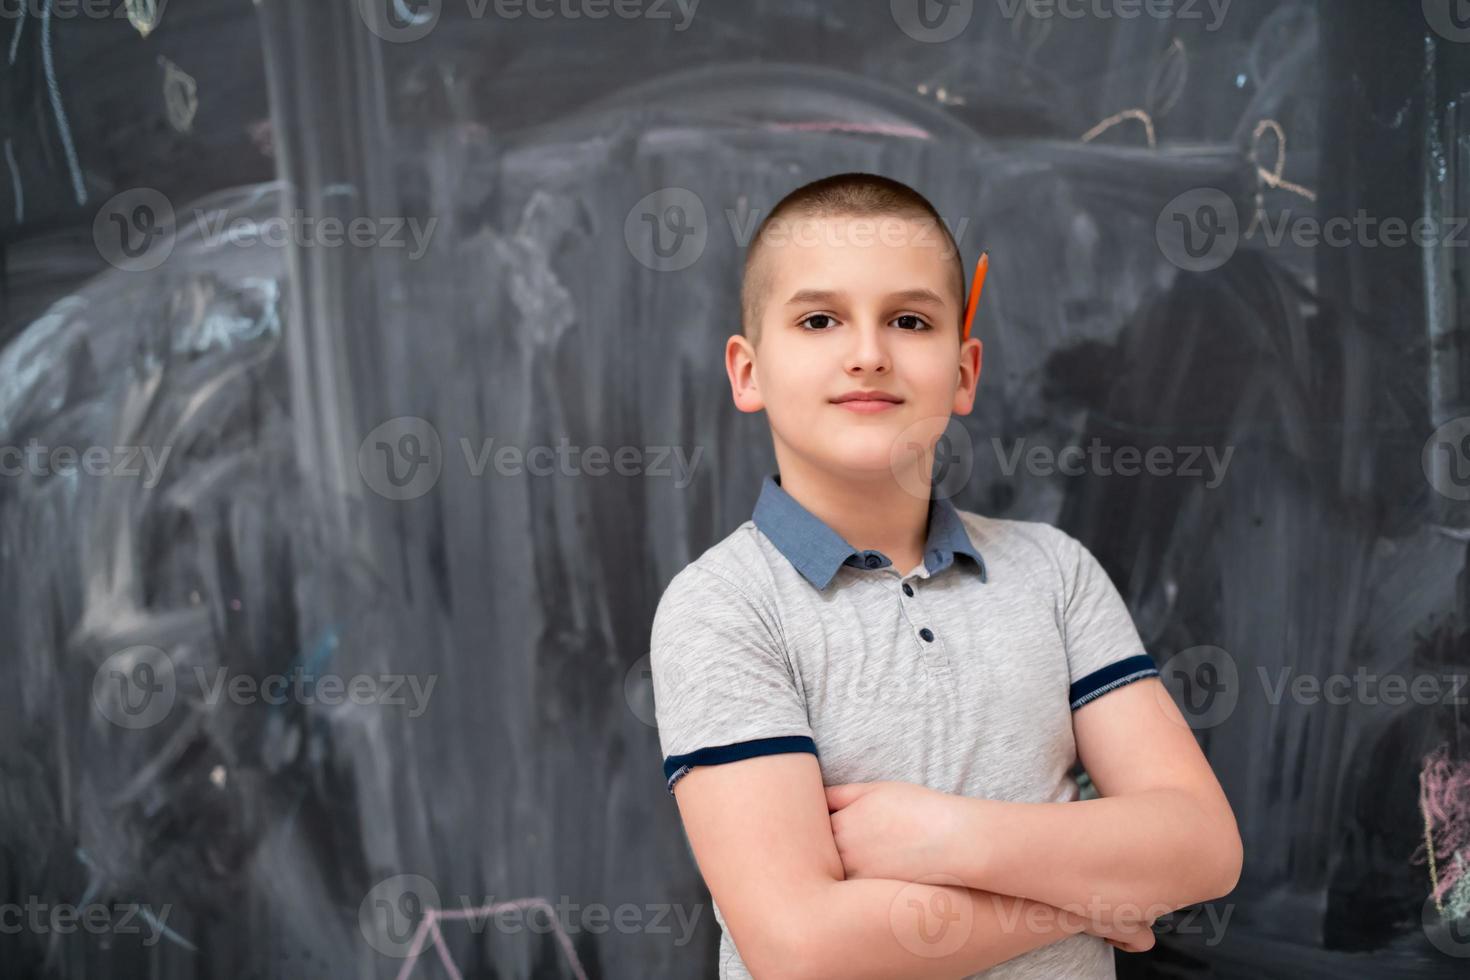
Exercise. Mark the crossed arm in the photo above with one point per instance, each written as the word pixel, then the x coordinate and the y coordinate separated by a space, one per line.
pixel 894 880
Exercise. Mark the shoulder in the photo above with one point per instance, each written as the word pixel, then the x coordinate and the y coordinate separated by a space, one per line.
pixel 1024 548
pixel 732 576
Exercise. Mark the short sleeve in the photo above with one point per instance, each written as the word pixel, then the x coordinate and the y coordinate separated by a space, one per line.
pixel 1104 650
pixel 723 689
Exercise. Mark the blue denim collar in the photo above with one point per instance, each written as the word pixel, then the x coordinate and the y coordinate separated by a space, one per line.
pixel 817 551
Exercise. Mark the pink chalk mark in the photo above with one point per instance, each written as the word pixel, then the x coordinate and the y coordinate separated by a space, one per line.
pixel 1444 799
pixel 880 129
pixel 430 926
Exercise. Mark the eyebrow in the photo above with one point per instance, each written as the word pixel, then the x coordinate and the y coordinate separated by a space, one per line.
pixel 919 295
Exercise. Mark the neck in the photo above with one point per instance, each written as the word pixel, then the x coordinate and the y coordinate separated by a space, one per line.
pixel 878 513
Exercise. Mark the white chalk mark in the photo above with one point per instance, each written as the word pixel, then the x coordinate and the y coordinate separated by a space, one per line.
pixel 837 126
pixel 411 17
pixel 65 131
pixel 1167 83
pixel 145 15
pixel 1033 28
pixel 180 95
pixel 17 191
pixel 1116 118
pixel 20 22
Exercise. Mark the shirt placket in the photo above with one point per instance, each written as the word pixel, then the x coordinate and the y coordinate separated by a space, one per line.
pixel 922 627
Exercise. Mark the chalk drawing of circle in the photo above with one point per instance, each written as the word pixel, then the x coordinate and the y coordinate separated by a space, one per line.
pixel 1204 683
pixel 667 230
pixel 135 688
pixel 400 21
pixel 402 458
pixel 1450 936
pixel 931 22
pixel 134 230
pixel 391 912
pixel 928 923
pixel 1199 230
pixel 1446 458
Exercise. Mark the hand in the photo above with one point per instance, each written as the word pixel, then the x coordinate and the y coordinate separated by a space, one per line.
pixel 892 829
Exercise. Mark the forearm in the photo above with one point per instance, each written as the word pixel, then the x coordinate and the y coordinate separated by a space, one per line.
pixel 894 930
pixel 1143 851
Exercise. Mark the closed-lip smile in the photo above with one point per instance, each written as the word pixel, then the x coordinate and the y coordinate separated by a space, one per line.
pixel 867 396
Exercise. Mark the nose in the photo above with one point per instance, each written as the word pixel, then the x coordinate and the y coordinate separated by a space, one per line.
pixel 868 352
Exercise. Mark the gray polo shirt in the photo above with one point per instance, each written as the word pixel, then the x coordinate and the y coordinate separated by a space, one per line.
pixel 960 675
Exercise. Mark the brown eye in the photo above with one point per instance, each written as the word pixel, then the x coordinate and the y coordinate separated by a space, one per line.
pixel 906 322
pixel 815 317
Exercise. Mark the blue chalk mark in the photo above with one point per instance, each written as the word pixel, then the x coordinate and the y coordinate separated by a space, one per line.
pixel 15 187
pixel 56 107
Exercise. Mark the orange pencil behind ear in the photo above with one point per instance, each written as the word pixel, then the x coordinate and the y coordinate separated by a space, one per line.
pixel 981 267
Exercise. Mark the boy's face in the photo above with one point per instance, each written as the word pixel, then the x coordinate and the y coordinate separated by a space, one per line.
pixel 857 304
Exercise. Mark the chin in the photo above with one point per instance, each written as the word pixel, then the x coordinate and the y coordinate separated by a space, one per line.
pixel 861 454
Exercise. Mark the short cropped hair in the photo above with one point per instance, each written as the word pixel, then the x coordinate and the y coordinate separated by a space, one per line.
pixel 859 195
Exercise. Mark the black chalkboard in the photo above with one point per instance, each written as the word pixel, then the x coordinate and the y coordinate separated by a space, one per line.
pixel 331 661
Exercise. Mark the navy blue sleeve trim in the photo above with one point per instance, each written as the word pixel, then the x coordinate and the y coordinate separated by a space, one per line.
pixel 675 766
pixel 1113 676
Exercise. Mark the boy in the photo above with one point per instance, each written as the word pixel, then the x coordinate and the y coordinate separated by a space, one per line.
pixel 870 702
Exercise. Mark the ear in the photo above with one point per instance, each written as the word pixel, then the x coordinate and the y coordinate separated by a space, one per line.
pixel 971 354
pixel 740 366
